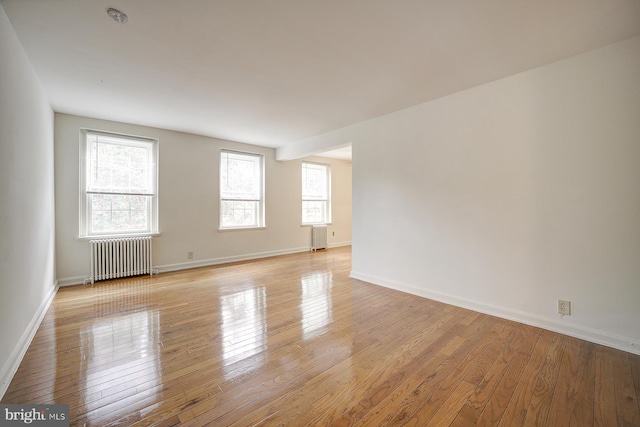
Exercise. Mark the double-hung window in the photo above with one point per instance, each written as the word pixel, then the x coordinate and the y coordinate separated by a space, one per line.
pixel 241 190
pixel 118 185
pixel 316 193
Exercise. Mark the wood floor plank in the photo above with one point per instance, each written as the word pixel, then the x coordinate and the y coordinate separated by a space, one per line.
pixel 634 363
pixel 545 384
pixel 382 411
pixel 516 411
pixel 425 399
pixel 367 343
pixel 486 385
pixel 283 364
pixel 516 355
pixel 564 396
pixel 449 409
pixel 339 407
pixel 583 408
pixel 501 399
pixel 604 411
pixel 302 405
pixel 371 351
pixel 625 391
pixel 293 340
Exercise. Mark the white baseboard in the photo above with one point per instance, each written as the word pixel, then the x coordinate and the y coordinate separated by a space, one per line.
pixel 11 366
pixel 247 257
pixel 588 334
pixel 339 244
pixel 225 260
pixel 79 280
pixel 70 281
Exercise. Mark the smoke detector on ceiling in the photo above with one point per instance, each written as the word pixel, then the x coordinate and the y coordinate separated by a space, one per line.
pixel 117 15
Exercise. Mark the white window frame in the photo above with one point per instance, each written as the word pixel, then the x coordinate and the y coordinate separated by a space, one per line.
pixel 260 214
pixel 327 200
pixel 85 194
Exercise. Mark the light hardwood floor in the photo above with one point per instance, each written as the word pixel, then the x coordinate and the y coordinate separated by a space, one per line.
pixel 293 340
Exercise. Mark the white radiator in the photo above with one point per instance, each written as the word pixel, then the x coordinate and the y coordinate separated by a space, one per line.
pixel 318 237
pixel 113 258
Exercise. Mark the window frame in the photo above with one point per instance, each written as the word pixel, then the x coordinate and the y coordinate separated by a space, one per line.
pixel 260 214
pixel 85 208
pixel 327 219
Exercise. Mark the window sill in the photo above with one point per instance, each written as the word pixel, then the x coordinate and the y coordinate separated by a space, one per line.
pixel 242 229
pixel 313 225
pixel 117 236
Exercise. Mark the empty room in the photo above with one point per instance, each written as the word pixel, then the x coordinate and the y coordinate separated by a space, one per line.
pixel 316 213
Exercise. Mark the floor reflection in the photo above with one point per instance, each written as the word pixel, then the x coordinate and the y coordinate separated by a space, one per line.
pixel 119 350
pixel 316 303
pixel 243 325
pixel 201 347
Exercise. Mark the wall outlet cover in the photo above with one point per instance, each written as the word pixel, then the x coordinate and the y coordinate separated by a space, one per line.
pixel 564 307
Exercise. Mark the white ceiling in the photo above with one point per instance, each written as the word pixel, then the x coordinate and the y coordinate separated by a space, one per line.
pixel 274 72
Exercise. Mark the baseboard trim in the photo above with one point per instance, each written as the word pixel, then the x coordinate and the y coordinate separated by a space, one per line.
pixel 71 281
pixel 79 280
pixel 339 244
pixel 225 260
pixel 11 366
pixel 588 334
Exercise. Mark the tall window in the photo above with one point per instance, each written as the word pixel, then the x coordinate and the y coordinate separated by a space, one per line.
pixel 316 193
pixel 241 190
pixel 118 189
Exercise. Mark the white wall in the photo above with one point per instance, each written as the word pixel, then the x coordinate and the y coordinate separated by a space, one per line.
pixel 509 196
pixel 27 257
pixel 188 200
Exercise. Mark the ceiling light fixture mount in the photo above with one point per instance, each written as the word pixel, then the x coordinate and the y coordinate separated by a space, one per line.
pixel 117 15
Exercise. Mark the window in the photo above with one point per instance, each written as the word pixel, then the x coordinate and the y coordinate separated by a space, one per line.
pixel 316 193
pixel 118 185
pixel 241 190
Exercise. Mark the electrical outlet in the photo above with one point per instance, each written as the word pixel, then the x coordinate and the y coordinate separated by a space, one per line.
pixel 564 307
pixel 190 255
pixel 333 233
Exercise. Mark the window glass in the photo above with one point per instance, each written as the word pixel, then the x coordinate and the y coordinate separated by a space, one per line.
pixel 316 203
pixel 118 193
pixel 241 190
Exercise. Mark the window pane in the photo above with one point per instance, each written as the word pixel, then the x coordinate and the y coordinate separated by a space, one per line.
pixel 240 176
pixel 119 166
pixel 117 213
pixel 314 181
pixel 241 190
pixel 239 213
pixel 314 211
pixel 115 166
pixel 315 193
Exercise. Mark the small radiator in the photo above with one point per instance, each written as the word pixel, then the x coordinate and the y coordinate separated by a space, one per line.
pixel 318 237
pixel 113 258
